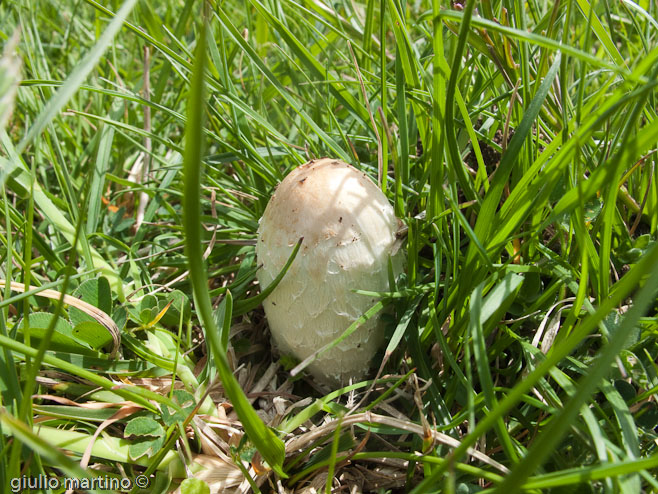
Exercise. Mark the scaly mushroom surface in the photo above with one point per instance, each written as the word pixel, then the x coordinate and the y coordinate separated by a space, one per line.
pixel 349 231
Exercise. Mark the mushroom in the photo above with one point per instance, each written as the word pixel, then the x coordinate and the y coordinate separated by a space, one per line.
pixel 349 231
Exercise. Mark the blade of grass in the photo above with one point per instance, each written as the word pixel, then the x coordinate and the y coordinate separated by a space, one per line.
pixel 262 67
pixel 455 161
pixel 544 42
pixel 589 474
pixel 132 393
pixel 480 311
pixel 310 62
pixel 77 76
pixel 601 32
pixel 622 289
pixel 435 202
pixel 268 444
pixel 47 207
pixel 549 438
pixel 486 218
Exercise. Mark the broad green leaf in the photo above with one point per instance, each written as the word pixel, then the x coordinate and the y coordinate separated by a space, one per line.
pixel 96 292
pixel 148 437
pixel 63 338
pixel 92 333
pixel 186 403
pixel 194 486
pixel 143 426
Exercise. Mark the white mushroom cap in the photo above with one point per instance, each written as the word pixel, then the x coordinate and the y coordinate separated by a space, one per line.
pixel 349 231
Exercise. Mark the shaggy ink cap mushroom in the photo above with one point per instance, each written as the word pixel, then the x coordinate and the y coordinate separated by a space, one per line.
pixel 349 231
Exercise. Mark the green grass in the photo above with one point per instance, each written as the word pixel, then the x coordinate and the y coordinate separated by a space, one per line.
pixel 139 145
